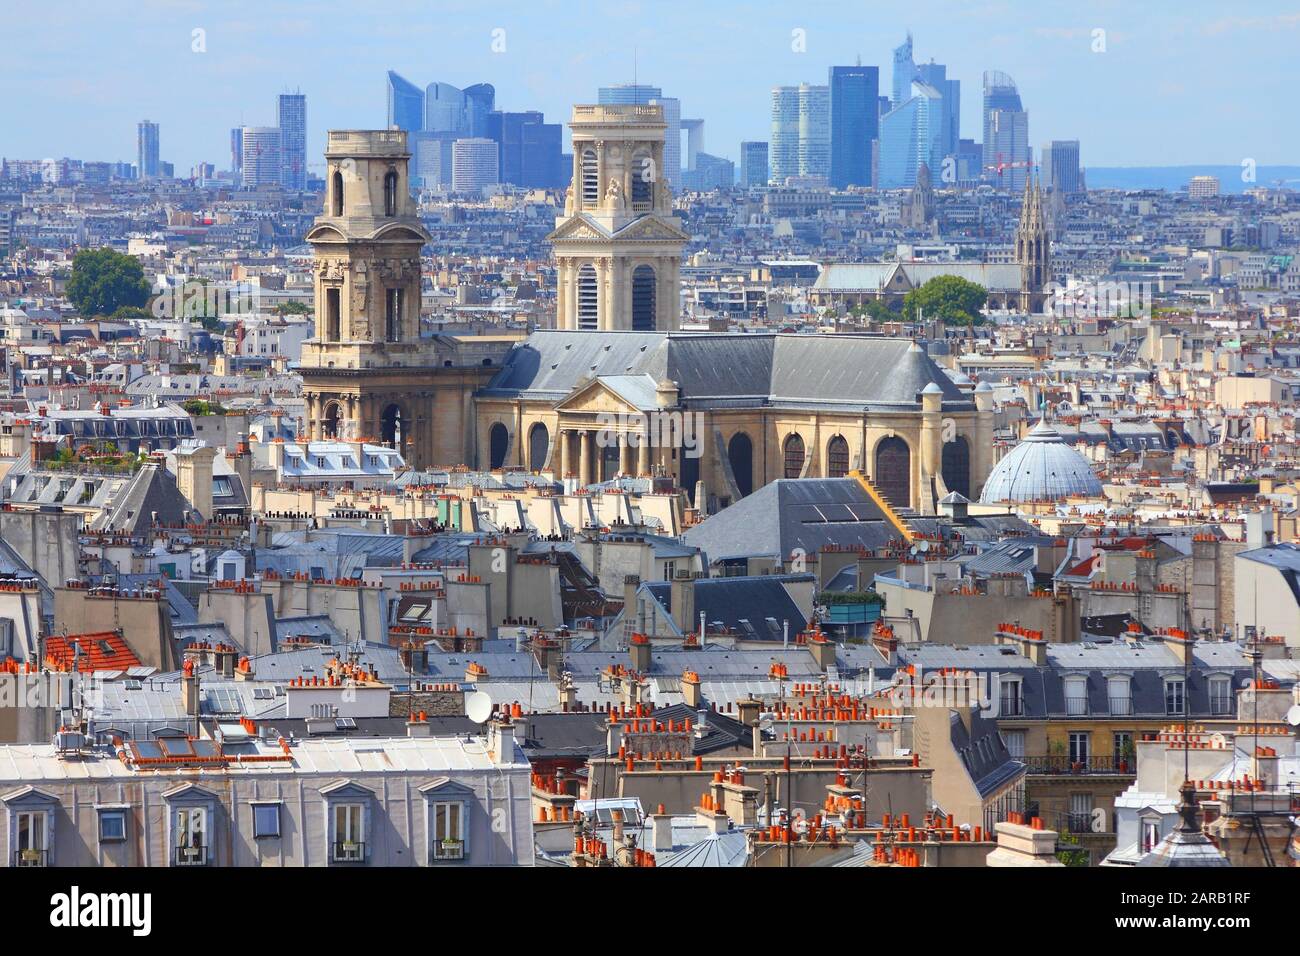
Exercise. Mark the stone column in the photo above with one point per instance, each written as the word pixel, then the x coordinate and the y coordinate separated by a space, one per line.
pixel 584 458
pixel 562 465
pixel 643 455
pixel 625 453
pixel 603 297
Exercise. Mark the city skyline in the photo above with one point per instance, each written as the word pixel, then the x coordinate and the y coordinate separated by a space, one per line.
pixel 1076 83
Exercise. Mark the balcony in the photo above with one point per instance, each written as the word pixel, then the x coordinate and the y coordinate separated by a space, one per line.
pixel 1074 822
pixel 1063 764
pixel 1011 707
pixel 191 856
pixel 1222 706
pixel 1076 706
pixel 348 853
pixel 1121 706
pixel 31 857
pixel 449 850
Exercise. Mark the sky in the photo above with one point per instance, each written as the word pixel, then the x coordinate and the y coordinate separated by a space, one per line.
pixel 1177 83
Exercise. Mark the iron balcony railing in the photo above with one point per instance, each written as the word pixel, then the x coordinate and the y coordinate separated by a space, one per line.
pixel 31 858
pixel 349 853
pixel 191 855
pixel 1065 764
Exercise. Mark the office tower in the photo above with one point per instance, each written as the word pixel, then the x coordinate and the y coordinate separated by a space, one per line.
pixel 405 104
pixel 628 94
pixel 147 150
pixel 480 101
pixel 886 104
pixel 814 130
pixel 1060 166
pixel 710 172
pixel 293 140
pixel 236 150
pixel 855 122
pixel 904 72
pixel 609 276
pixel 431 164
pixel 530 150
pixel 633 94
pixel 444 109
pixel 694 130
pixel 936 75
pixel 261 165
pixel 1203 187
pixel 474 165
pixel 785 133
pixel 1007 153
pixel 911 135
pixel 753 164
pixel 970 159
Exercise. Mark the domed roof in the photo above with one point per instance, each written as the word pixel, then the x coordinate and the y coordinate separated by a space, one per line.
pixel 1041 468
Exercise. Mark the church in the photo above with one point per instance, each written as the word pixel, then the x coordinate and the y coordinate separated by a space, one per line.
pixel 614 389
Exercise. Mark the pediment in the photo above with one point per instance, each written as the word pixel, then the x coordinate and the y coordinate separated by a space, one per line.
pixel 347 790
pixel 595 396
pixel 651 227
pixel 578 228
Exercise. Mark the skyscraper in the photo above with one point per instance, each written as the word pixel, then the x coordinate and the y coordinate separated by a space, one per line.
pixel 814 130
pixel 480 100
pixel 261 165
pixel 753 164
pixel 1007 153
pixel 474 165
pixel 936 75
pixel 444 109
pixel 855 122
pixel 405 104
pixel 911 134
pixel 641 94
pixel 236 150
pixel 1060 165
pixel 293 140
pixel 530 149
pixel 147 149
pixel 785 133
pixel 904 72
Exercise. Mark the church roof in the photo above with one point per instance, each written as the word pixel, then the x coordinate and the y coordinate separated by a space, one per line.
pixel 874 276
pixel 728 369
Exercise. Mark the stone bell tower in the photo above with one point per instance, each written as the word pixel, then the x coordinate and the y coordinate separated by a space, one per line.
pixel 359 370
pixel 618 246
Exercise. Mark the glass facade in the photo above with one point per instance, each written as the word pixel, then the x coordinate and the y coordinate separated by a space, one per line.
pixel 855 122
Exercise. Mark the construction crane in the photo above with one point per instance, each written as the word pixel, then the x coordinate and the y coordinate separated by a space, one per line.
pixel 1000 165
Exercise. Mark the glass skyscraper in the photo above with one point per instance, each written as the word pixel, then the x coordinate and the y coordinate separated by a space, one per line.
pixel 936 75
pixel 855 122
pixel 784 155
pixel 405 104
pixel 261 165
pixel 530 149
pixel 911 134
pixel 293 140
pixel 814 130
pixel 634 94
pixel 753 164
pixel 480 100
pixel 146 137
pixel 1060 161
pixel 1007 153
pixel 904 72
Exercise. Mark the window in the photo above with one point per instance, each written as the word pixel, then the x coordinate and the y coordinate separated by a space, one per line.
pixel 349 833
pixel 1150 835
pixel 32 836
pixel 1009 701
pixel 448 831
pixel 794 454
pixel 1080 820
pixel 837 458
pixel 1015 741
pixel 333 314
pixel 1175 696
pixel 390 193
pixel 588 298
pixel 1119 691
pixel 393 315
pixel 1076 696
pixel 1079 748
pixel 670 570
pixel 337 197
pixel 1124 753
pixel 112 826
pixel 590 179
pixel 266 820
pixel 1220 696
pixel 191 836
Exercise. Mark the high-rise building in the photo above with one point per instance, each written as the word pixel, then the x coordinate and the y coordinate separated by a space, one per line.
pixel 480 101
pixel 530 149
pixel 431 168
pixel 911 135
pixel 618 246
pixel 640 94
pixel 1203 187
pixel 293 140
pixel 474 165
pixel 855 122
pixel 405 104
pixel 753 163
pixel 261 164
pixel 444 109
pixel 904 72
pixel 710 172
pixel 814 130
pixel 785 133
pixel 1060 166
pixel 147 149
pixel 236 150
pixel 936 75
pixel 1007 153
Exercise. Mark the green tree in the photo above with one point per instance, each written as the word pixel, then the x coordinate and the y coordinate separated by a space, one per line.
pixel 953 299
pixel 104 281
pixel 292 308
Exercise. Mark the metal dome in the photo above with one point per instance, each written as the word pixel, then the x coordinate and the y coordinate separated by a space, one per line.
pixel 1041 468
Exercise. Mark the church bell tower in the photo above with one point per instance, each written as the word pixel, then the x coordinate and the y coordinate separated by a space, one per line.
pixel 618 246
pixel 1033 248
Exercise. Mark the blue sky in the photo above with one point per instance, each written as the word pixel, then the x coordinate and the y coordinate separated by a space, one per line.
pixel 1178 82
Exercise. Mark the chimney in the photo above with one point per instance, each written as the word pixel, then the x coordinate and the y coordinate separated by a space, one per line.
pixel 1024 844
pixel 692 696
pixel 661 828
pixel 418 726
pixel 748 710
pixel 639 650
pixel 682 600
pixel 822 650
pixel 631 584
pixel 568 693
pixel 501 742
pixel 223 659
pixel 194 477
pixel 884 641
pixel 190 688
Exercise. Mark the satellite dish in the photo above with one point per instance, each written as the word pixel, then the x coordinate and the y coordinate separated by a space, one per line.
pixel 766 721
pixel 1293 715
pixel 478 706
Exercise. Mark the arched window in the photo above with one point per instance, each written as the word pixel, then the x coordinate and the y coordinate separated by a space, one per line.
pixel 893 477
pixel 390 193
pixel 498 445
pixel 590 178
pixel 956 466
pixel 588 301
pixel 793 450
pixel 330 424
pixel 392 427
pixel 740 452
pixel 643 182
pixel 336 194
pixel 539 443
pixel 837 457
pixel 643 299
